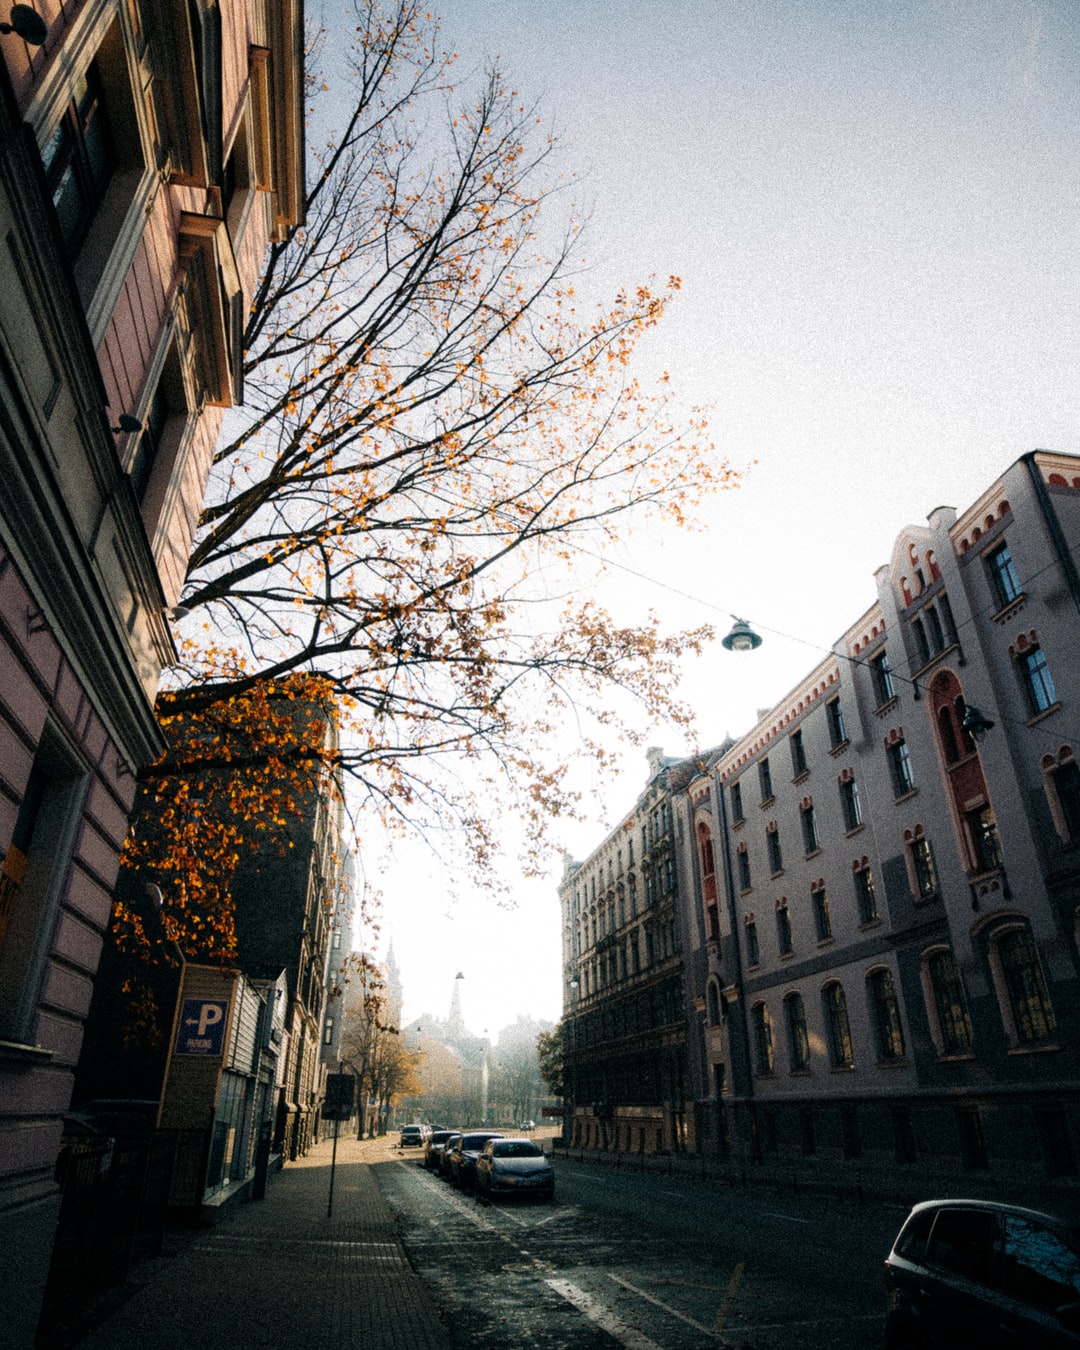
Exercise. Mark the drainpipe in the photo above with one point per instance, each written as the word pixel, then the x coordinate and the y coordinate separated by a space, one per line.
pixel 1053 525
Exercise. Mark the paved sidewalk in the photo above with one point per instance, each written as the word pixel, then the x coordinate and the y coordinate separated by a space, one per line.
pixel 276 1274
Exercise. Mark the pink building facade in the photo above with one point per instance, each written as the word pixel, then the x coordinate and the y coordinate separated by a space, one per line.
pixel 150 153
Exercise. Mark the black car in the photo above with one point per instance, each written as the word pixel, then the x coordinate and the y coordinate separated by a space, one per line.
pixel 444 1155
pixel 436 1142
pixel 982 1274
pixel 462 1154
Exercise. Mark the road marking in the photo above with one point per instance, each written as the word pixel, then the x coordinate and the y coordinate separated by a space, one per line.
pixel 748 1327
pixel 566 1213
pixel 769 1214
pixel 604 1318
pixel 673 1312
pixel 729 1298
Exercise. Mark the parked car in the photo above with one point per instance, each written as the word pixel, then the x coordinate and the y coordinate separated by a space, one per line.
pixel 444 1156
pixel 412 1136
pixel 436 1142
pixel 527 1125
pixel 463 1153
pixel 515 1167
pixel 980 1273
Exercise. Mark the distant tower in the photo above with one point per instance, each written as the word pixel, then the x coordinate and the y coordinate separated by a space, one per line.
pixel 455 1026
pixel 394 987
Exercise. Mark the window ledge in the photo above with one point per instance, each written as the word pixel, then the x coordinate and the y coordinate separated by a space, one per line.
pixel 902 1063
pixel 1041 1049
pixel 746 890
pixel 1007 611
pixel 767 801
pixel 966 1058
pixel 841 1068
pixel 906 796
pixel 774 875
pixel 16 1053
pixel 786 956
pixel 887 707
pixel 1046 712
pixel 839 747
pixel 870 923
pixel 801 776
pixel 825 942
pixel 801 1073
pixel 812 854
pixel 855 829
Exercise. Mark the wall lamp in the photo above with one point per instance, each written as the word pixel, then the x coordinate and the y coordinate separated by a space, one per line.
pixel 976 723
pixel 28 24
pixel 742 637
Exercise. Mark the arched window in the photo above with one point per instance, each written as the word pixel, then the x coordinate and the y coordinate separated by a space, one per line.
pixel 1026 1008
pixel 841 1051
pixel 885 1014
pixel 763 1041
pixel 712 997
pixel 946 1003
pixel 798 1040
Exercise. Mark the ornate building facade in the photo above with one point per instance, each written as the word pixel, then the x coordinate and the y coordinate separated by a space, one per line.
pixel 891 977
pixel 148 154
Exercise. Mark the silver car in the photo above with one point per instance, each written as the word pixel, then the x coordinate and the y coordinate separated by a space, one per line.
pixel 515 1167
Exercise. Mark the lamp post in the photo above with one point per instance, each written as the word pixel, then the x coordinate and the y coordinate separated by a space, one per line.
pixel 570 1099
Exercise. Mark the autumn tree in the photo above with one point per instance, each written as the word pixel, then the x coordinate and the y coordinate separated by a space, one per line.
pixel 436 429
pixel 387 1070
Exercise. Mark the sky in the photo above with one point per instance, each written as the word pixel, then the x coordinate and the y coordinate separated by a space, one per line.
pixel 874 211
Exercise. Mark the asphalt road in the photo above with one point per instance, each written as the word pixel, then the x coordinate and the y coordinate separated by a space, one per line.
pixel 645 1262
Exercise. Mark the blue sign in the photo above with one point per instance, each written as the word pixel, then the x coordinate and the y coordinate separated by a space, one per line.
pixel 202 1027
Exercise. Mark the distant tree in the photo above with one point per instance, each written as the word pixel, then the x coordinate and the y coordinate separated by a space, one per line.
pixel 435 427
pixel 549 1050
pixel 373 1049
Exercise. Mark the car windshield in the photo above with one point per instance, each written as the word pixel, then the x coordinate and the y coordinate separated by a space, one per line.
pixel 517 1148
pixel 475 1141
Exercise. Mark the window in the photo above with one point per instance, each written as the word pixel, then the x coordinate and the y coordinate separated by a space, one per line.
pixel 1003 577
pixel 763 1042
pixel 1066 786
pixel 765 780
pixel 809 828
pixel 837 732
pixel 947 1004
pixel 850 1138
pixel 950 744
pixel 1037 1266
pixel 903 779
pixel 903 1134
pixel 922 647
pixel 933 623
pixel 713 1000
pixel 737 813
pixel 743 858
pixel 32 878
pixel 1031 1014
pixel 798 754
pixel 79 159
pixel 865 896
pixel 1038 685
pixel 983 839
pixel 776 857
pixel 798 1041
pixel 1052 1125
pixel 849 802
pixel 885 1012
pixel 819 898
pixel 753 952
pixel 783 928
pixel 881 674
pixel 328 1032
pixel 923 872
pixel 841 1054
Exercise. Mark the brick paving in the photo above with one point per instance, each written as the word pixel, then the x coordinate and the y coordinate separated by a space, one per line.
pixel 277 1274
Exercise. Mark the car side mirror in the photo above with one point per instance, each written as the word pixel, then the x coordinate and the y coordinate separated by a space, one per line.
pixel 1069 1316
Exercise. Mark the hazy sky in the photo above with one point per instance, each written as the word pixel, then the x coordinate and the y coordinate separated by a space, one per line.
pixel 875 212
